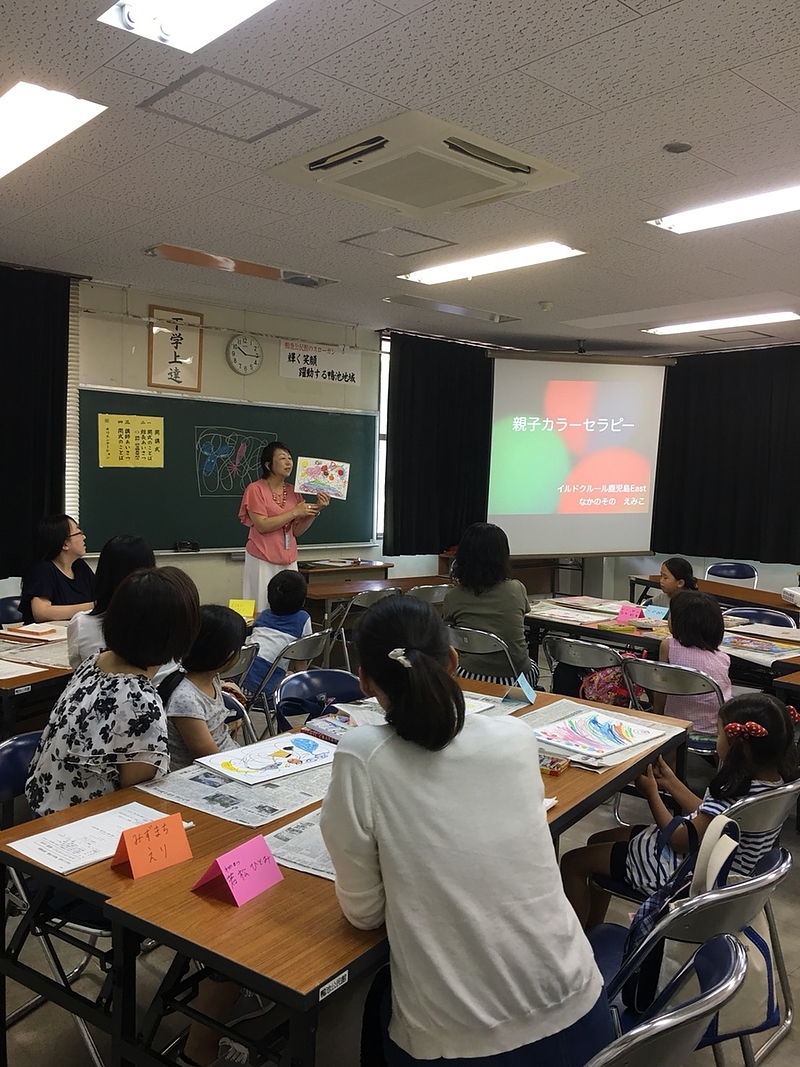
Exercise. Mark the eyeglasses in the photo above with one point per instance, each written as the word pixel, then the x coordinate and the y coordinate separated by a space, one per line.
pixel 78 533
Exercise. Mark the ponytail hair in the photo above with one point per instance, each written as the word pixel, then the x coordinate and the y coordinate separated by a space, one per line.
pixel 404 648
pixel 681 571
pixel 776 749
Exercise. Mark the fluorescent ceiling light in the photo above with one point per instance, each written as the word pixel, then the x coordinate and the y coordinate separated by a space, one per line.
pixel 760 206
pixel 32 119
pixel 545 252
pixel 183 24
pixel 725 324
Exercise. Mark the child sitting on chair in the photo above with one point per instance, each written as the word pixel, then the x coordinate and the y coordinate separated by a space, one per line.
pixel 193 697
pixel 757 752
pixel 277 626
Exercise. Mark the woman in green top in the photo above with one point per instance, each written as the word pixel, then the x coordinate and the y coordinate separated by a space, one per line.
pixel 485 598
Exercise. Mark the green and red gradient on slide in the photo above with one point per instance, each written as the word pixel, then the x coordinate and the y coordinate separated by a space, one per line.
pixel 577 454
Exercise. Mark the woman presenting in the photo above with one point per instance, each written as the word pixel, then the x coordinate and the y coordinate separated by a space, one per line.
pixel 276 515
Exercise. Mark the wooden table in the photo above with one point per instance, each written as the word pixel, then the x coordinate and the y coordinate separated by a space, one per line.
pixel 743 671
pixel 732 595
pixel 28 695
pixel 365 568
pixel 334 594
pixel 291 944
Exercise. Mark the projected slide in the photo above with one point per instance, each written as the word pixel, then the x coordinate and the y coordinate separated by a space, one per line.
pixel 573 456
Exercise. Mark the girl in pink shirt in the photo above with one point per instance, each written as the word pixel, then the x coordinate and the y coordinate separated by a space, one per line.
pixel 695 621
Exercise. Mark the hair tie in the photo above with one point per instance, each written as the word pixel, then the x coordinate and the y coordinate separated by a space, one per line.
pixel 794 714
pixel 399 654
pixel 746 729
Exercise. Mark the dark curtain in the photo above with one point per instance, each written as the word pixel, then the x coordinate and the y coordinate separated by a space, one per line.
pixel 727 482
pixel 438 440
pixel 33 364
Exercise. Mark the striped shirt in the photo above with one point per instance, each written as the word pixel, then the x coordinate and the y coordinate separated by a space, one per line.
pixel 646 871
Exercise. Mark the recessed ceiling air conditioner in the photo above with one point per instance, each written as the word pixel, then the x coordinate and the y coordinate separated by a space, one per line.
pixel 421 166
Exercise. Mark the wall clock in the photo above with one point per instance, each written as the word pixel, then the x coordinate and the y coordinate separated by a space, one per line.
pixel 244 354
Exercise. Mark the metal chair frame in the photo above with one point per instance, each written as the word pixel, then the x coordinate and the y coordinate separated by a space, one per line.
pixel 304 648
pixel 15 756
pixel 668 1032
pixel 696 920
pixel 480 643
pixel 765 616
pixel 733 572
pixel 589 655
pixel 431 594
pixel 237 673
pixel 360 600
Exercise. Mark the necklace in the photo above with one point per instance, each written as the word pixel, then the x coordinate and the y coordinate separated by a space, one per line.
pixel 279 498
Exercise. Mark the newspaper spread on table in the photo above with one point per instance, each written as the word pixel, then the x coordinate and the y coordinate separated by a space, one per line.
pixel 248 805
pixel 53 654
pixel 299 845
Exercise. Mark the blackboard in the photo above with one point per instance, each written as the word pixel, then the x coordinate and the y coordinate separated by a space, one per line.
pixel 211 453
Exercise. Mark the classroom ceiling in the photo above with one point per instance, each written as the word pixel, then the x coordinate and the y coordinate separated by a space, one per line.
pixel 594 86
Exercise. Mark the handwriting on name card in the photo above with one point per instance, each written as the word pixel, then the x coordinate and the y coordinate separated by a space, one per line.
pixel 628 612
pixel 247 870
pixel 153 845
pixel 655 611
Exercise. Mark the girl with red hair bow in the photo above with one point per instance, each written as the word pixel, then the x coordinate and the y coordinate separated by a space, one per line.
pixel 757 752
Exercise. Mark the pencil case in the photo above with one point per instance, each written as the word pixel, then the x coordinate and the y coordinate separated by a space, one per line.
pixel 552 765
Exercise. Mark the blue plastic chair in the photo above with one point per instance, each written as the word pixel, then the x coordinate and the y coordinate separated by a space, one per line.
pixel 765 616
pixel 322 687
pixel 733 572
pixel 671 1030
pixel 9 610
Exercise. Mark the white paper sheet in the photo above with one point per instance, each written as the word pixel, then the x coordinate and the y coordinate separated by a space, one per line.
pixel 53 654
pixel 557 613
pixel 17 670
pixel 299 845
pixel 79 844
pixel 204 790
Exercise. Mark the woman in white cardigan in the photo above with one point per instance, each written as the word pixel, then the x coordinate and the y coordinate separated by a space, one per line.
pixel 436 826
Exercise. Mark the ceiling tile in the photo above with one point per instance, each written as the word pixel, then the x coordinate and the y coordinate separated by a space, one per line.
pixel 448 46
pixel 699 109
pixel 669 47
pixel 778 75
pixel 484 108
pixel 42 180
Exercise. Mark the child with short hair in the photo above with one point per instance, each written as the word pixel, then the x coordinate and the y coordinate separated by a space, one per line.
pixel 196 711
pixel 695 621
pixel 279 624
pixel 757 752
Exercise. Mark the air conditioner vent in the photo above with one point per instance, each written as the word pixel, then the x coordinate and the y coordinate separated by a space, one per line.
pixel 421 166
pixel 472 150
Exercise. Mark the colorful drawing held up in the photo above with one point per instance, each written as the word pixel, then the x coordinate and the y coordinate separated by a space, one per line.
pixel 322 476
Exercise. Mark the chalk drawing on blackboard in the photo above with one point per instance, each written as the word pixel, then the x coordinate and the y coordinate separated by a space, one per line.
pixel 227 459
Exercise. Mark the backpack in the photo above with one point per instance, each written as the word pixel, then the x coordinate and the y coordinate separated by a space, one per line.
pixel 705 865
pixel 169 684
pixel 607 686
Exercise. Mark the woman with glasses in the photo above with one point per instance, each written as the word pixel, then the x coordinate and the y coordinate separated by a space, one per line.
pixel 60 582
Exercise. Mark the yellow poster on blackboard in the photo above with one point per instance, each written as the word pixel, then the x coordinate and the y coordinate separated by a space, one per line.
pixel 130 440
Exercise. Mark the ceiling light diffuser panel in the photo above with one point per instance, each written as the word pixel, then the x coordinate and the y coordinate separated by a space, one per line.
pixel 744 209
pixel 183 24
pixel 32 119
pixel 725 324
pixel 511 259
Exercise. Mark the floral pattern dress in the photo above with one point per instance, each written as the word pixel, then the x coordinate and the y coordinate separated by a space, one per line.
pixel 100 721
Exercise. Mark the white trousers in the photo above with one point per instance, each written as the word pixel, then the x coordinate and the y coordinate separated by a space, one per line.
pixel 257 575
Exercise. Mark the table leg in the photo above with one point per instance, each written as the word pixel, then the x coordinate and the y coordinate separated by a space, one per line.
pixel 303 1038
pixel 123 1011
pixel 631 589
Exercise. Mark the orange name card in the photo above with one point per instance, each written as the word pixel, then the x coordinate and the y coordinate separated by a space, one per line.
pixel 153 845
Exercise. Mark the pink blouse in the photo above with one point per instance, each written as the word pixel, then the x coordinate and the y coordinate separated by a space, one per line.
pixel 702 710
pixel 272 546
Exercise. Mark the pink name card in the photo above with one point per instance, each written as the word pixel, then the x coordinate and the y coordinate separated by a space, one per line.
pixel 247 870
pixel 628 612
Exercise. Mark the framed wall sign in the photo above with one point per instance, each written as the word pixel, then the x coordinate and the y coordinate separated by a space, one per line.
pixel 175 349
